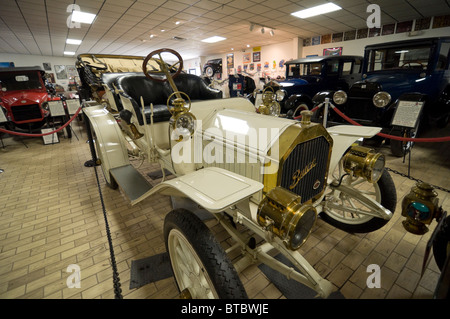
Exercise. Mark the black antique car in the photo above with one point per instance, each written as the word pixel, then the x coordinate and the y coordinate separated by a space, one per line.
pixel 212 66
pixel 307 76
pixel 405 84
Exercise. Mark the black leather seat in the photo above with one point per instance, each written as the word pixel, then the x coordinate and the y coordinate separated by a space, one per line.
pixel 135 86
pixel 110 80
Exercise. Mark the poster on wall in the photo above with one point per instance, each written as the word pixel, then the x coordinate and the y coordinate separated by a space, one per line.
pixel 422 24
pixel 338 37
pixel 332 51
pixel 230 60
pixel 247 58
pixel 315 40
pixel 6 64
pixel 361 33
pixel 388 29
pixel 47 66
pixel 71 70
pixel 256 56
pixel 404 26
pixel 374 32
pixel 350 35
pixel 61 73
pixel 441 21
pixel 326 39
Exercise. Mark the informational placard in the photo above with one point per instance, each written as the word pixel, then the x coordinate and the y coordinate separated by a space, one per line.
pixel 407 114
pixel 2 116
pixel 56 108
pixel 50 138
pixel 73 106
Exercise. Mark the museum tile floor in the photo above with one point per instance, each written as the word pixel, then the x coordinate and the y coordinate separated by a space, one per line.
pixel 51 217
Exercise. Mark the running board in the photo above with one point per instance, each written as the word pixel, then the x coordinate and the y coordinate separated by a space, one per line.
pixel 133 184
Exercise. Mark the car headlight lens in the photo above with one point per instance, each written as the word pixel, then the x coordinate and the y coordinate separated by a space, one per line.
pixel 275 109
pixel 280 95
pixel 339 97
pixel 364 162
pixel 282 213
pixel 183 126
pixel 381 99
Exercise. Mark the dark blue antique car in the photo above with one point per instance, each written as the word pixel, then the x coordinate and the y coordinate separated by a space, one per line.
pixel 305 77
pixel 405 84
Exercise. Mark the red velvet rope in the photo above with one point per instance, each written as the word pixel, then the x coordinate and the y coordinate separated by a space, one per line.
pixel 43 134
pixel 393 137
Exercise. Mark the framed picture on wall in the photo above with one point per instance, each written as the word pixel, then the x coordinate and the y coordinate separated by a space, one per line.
pixel 47 66
pixel 71 70
pixel 230 60
pixel 61 72
pixel 256 56
pixel 6 64
pixel 247 58
pixel 332 51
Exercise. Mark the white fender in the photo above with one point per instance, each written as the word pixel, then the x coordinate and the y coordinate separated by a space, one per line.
pixel 111 148
pixel 344 136
pixel 215 189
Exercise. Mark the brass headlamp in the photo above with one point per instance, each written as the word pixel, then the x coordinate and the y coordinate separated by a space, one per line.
pixel 270 106
pixel 420 207
pixel 282 213
pixel 364 162
pixel 182 121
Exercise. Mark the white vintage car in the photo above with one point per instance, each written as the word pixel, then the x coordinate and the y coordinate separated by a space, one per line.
pixel 269 174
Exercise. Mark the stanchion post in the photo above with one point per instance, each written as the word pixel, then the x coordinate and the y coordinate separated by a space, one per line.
pixel 325 111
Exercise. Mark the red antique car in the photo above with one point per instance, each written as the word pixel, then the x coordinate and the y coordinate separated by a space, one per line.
pixel 24 97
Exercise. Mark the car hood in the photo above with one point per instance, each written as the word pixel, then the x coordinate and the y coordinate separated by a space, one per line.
pixel 24 97
pixel 298 81
pixel 397 81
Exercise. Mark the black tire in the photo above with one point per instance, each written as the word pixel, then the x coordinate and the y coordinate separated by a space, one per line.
pixel 388 200
pixel 441 244
pixel 209 71
pixel 216 264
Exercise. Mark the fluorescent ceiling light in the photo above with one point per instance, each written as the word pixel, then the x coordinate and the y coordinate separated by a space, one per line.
pixel 69 53
pixel 213 39
pixel 314 11
pixel 83 17
pixel 73 41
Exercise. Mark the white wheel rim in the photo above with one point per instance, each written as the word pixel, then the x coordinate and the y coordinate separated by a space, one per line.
pixel 342 204
pixel 189 271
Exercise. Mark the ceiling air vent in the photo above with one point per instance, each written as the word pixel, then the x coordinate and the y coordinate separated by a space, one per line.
pixel 178 39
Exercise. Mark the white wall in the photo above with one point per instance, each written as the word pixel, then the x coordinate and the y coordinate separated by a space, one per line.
pixel 37 60
pixel 193 64
pixel 270 55
pixel 356 47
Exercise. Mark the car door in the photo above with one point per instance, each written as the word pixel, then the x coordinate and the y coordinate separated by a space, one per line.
pixel 349 73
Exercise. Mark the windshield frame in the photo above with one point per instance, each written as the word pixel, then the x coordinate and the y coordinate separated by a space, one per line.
pixel 304 69
pixel 416 57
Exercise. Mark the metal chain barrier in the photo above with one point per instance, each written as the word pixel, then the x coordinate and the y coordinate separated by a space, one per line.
pixel 416 179
pixel 116 279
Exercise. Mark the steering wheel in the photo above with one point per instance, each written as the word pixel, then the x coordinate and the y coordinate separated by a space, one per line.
pixel 409 63
pixel 164 68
